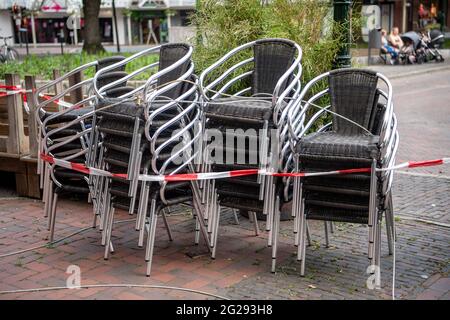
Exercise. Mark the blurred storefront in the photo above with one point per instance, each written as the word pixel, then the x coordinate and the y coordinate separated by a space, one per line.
pixel 404 14
pixel 138 21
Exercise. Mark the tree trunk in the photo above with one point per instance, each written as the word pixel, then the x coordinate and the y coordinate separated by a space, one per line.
pixel 92 39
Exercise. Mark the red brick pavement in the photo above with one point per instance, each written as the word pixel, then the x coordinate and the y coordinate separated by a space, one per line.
pixel 241 269
pixel 171 265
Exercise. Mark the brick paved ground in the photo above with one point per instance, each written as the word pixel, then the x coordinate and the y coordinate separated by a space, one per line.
pixel 241 269
pixel 423 112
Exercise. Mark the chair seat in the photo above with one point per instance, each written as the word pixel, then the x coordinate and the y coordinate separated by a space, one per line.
pixel 126 111
pixel 118 128
pixel 332 144
pixel 66 117
pixel 237 190
pixel 245 109
pixel 336 214
pixel 73 187
pixel 64 173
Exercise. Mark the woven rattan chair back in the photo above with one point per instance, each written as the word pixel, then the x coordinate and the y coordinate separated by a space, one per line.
pixel 272 58
pixel 105 62
pixel 352 95
pixel 168 55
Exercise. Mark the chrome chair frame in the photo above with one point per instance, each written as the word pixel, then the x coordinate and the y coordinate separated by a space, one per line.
pixel 388 145
pixel 186 119
pixel 272 160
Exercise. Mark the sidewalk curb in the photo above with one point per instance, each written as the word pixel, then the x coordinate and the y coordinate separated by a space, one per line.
pixel 418 72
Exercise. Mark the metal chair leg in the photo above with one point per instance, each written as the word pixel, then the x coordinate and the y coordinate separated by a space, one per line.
pixel 327 240
pixel 211 203
pixel 45 184
pixel 391 216
pixel 105 217
pixel 105 199
pixel 212 217
pixel 140 215
pixel 302 230
pixel 308 235
pixel 255 222
pixel 267 205
pixel 48 204
pixel 166 224
pixel 389 235
pixel 298 210
pixel 275 228
pixel 303 258
pixel 143 217
pixel 294 209
pixel 151 237
pixel 271 207
pixel 53 217
pixel 379 243
pixel 197 226
pixel 372 210
pixel 94 220
pixel 215 233
pixel 236 218
pixel 108 231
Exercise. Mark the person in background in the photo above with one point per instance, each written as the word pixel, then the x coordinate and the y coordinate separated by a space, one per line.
pixel 423 15
pixel 395 39
pixel 408 54
pixel 433 13
pixel 385 47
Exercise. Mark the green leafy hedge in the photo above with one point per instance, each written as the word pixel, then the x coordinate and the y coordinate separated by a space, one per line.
pixel 42 66
pixel 225 24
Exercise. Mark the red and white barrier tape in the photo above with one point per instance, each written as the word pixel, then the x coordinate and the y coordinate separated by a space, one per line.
pixel 12 90
pixel 234 173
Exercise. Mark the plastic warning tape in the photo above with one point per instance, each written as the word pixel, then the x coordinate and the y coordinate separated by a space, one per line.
pixel 234 173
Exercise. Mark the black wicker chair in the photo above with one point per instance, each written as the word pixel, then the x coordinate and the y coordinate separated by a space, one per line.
pixel 362 134
pixel 138 139
pixel 262 88
pixel 64 134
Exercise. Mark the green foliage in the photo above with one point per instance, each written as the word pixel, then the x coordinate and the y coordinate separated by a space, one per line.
pixel 42 66
pixel 446 44
pixel 226 24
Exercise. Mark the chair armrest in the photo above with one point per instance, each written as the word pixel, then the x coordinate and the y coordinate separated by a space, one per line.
pixel 66 110
pixel 60 79
pixel 297 110
pixel 284 77
pixel 218 63
pixel 121 63
pixel 389 107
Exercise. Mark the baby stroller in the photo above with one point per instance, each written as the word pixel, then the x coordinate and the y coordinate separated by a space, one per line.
pixel 412 50
pixel 431 42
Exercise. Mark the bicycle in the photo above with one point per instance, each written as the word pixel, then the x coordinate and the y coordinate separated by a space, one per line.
pixel 7 53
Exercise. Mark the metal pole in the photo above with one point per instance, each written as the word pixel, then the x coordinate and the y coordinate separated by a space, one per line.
pixel 33 30
pixel 197 31
pixel 115 25
pixel 342 17
pixel 26 42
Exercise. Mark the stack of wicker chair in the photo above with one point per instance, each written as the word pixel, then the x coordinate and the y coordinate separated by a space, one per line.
pixel 64 134
pixel 138 138
pixel 362 134
pixel 252 109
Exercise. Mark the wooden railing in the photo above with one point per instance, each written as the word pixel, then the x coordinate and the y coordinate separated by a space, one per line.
pixel 18 132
